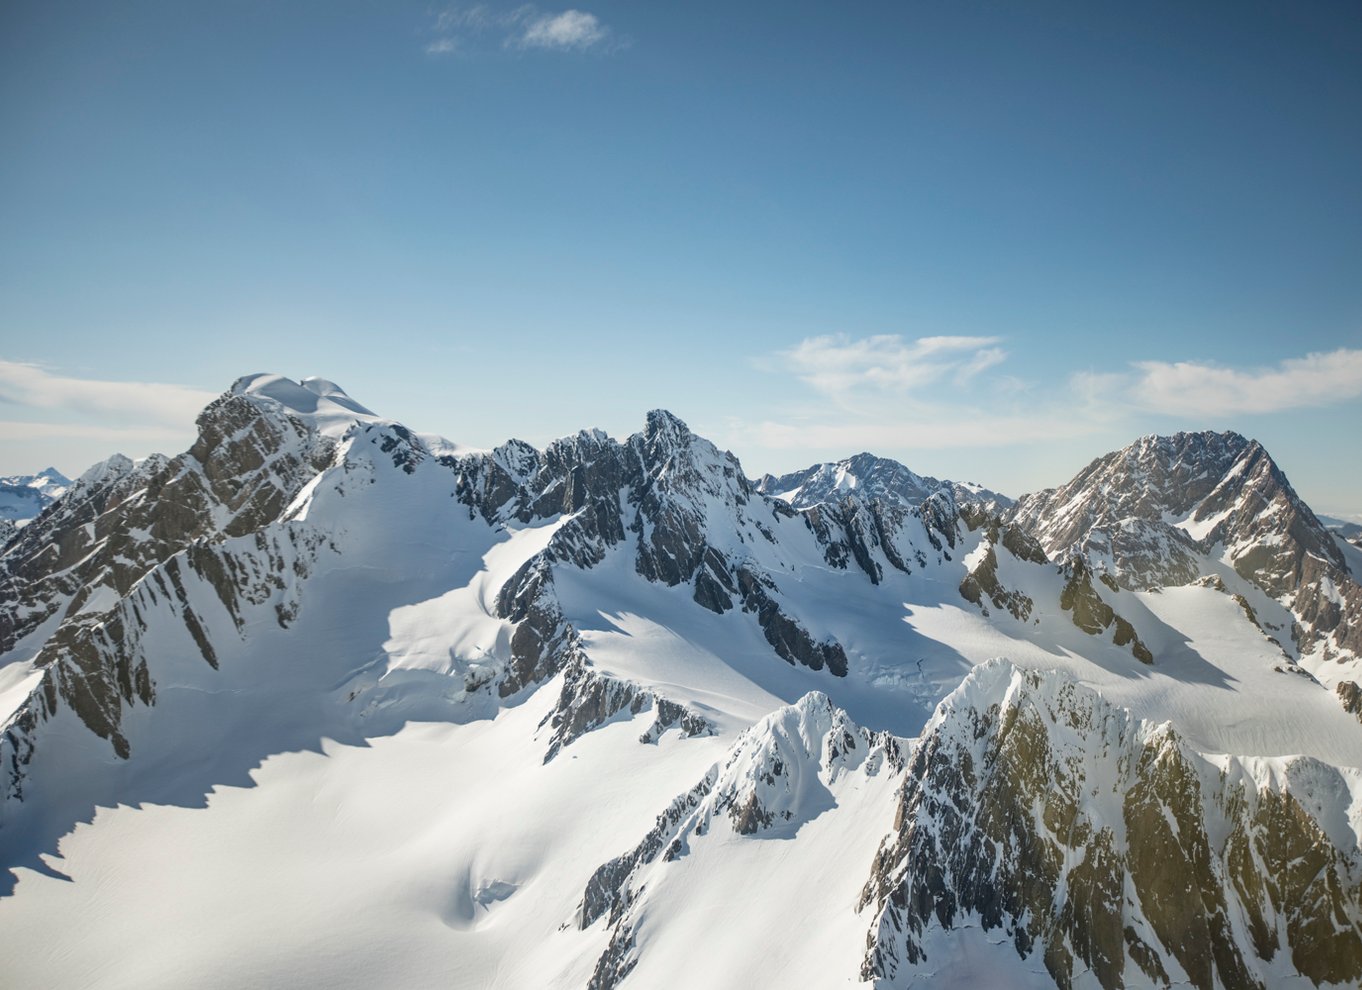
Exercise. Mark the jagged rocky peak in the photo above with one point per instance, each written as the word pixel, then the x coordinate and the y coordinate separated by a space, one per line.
pixel 517 481
pixel 1102 847
pixel 870 477
pixel 664 429
pixel 123 521
pixel 779 775
pixel 1168 510
pixel 1147 508
pixel 686 463
pixel 686 508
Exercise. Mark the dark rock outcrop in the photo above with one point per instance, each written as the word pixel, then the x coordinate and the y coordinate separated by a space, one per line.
pixel 150 526
pixel 1096 843
pixel 982 583
pixel 590 699
pixel 1092 614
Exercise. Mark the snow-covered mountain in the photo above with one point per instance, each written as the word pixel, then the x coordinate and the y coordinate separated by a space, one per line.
pixel 24 496
pixel 870 477
pixel 49 483
pixel 1167 511
pixel 326 702
pixel 1350 531
pixel 1105 850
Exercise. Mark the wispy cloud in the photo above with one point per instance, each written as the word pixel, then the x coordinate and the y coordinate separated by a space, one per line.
pixel 893 392
pixel 937 428
pixel 568 30
pixel 475 18
pixel 115 437
pixel 147 405
pixel 838 364
pixel 464 28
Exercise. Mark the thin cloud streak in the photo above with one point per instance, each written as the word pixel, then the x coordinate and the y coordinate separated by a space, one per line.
pixel 16 430
pixel 918 433
pixel 442 46
pixel 146 404
pixel 838 365
pixel 893 393
pixel 983 360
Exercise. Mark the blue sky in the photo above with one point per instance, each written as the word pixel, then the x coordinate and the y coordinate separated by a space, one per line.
pixel 991 240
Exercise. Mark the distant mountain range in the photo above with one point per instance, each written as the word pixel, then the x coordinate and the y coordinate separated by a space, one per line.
pixel 330 700
pixel 1350 531
pixel 870 477
pixel 24 496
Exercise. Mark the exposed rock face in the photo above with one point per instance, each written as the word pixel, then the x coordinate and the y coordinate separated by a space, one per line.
pixel 786 636
pixel 590 699
pixel 119 520
pixel 1097 843
pixel 685 506
pixel 125 534
pixel 854 533
pixel 982 583
pixel 1092 614
pixel 127 538
pixel 1159 512
pixel 1116 509
pixel 871 478
pixel 1350 695
pixel 1085 605
pixel 543 643
pixel 774 779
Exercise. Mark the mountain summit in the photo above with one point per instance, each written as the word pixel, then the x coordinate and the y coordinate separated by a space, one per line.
pixel 1166 511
